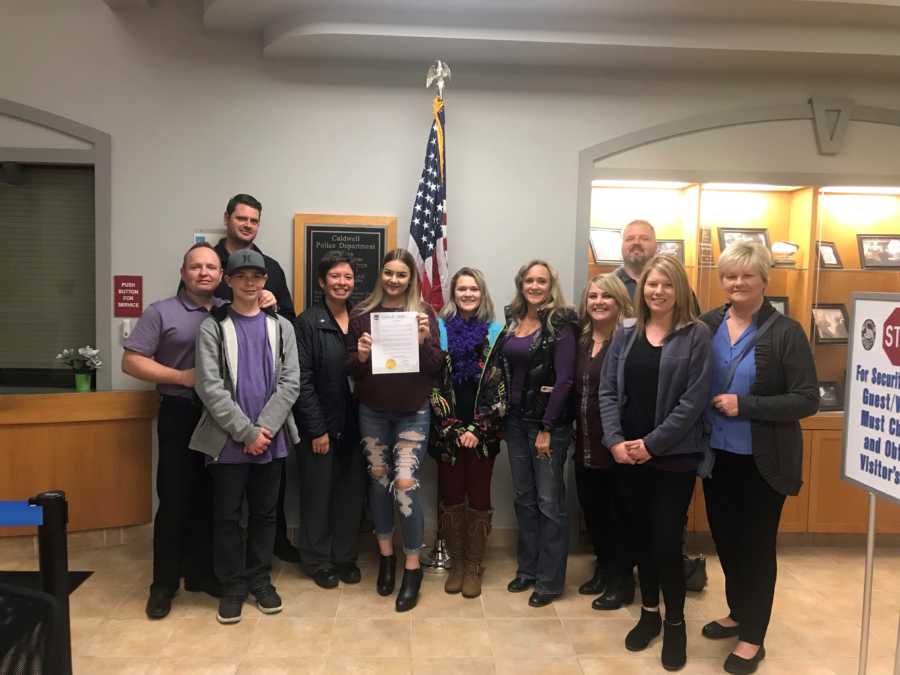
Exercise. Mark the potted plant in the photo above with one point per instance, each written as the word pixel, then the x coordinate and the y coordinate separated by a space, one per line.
pixel 84 361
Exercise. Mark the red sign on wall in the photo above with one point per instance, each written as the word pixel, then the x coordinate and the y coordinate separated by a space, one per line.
pixel 891 340
pixel 128 296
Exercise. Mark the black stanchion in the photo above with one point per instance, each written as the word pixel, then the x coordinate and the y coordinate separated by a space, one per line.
pixel 54 565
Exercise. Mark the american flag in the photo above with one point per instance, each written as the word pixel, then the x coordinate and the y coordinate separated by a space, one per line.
pixel 428 226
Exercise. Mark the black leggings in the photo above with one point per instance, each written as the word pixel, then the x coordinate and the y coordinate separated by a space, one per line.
pixel 657 502
pixel 743 512
pixel 601 503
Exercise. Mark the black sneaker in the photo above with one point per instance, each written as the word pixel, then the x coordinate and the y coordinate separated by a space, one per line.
pixel 229 609
pixel 268 601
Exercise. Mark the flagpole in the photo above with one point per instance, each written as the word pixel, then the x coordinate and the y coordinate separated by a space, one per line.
pixel 437 559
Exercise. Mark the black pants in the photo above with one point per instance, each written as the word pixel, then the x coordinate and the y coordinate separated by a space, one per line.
pixel 332 495
pixel 743 512
pixel 603 507
pixel 657 502
pixel 182 528
pixel 237 570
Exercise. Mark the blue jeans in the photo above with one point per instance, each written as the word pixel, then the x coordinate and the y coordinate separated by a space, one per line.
pixel 394 444
pixel 540 503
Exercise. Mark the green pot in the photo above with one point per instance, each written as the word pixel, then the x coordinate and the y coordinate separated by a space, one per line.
pixel 82 381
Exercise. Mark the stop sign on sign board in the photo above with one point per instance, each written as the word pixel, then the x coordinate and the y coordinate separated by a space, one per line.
pixel 890 341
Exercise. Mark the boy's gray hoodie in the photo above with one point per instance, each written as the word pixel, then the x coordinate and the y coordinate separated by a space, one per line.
pixel 215 381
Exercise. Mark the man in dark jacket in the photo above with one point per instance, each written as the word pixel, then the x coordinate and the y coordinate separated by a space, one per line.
pixel 242 215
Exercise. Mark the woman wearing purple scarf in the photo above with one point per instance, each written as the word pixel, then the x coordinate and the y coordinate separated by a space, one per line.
pixel 465 438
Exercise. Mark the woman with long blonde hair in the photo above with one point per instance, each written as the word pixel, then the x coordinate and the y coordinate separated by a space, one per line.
pixel 536 355
pixel 394 412
pixel 605 304
pixel 654 389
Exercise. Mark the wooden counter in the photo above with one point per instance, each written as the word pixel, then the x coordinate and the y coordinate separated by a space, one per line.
pixel 95 446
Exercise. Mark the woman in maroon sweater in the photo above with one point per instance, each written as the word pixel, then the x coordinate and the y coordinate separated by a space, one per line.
pixel 394 417
pixel 605 303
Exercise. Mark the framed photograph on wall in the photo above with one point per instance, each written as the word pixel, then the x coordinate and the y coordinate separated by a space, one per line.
pixel 879 251
pixel 672 247
pixel 784 253
pixel 831 396
pixel 828 255
pixel 606 245
pixel 830 323
pixel 729 235
pixel 780 303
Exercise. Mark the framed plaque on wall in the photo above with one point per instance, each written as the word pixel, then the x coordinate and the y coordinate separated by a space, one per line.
pixel 366 238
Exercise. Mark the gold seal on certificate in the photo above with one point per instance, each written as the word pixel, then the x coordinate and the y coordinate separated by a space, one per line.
pixel 395 342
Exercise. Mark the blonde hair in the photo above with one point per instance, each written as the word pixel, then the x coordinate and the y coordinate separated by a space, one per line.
pixel 746 254
pixel 412 301
pixel 556 301
pixel 683 313
pixel 485 311
pixel 611 285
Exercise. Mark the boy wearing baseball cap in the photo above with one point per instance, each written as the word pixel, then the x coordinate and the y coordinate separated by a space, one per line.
pixel 247 376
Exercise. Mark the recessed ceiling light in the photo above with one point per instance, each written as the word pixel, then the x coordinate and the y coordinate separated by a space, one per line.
pixel 860 190
pixel 749 187
pixel 642 184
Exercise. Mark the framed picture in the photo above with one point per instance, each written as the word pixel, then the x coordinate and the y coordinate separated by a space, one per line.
pixel 879 251
pixel 365 238
pixel 606 245
pixel 784 253
pixel 780 303
pixel 210 236
pixel 830 323
pixel 729 235
pixel 672 247
pixel 828 255
pixel 831 396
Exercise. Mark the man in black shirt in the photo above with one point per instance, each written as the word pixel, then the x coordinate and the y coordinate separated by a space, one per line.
pixel 242 215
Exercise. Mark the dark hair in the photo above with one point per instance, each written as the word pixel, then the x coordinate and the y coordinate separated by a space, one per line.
pixel 199 244
pixel 333 259
pixel 246 200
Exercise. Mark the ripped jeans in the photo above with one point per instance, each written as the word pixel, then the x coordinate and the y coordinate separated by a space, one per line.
pixel 394 443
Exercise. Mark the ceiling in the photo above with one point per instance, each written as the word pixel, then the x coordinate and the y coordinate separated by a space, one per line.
pixel 842 37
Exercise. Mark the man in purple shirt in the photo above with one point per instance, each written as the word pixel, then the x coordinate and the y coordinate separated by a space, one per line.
pixel 161 350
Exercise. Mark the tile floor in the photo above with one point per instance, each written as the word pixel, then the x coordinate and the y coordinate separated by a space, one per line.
pixel 815 628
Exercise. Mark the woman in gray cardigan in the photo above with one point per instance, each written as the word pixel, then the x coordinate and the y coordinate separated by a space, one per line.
pixel 764 381
pixel 653 390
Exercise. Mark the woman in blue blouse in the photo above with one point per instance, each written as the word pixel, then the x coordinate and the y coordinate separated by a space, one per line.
pixel 763 382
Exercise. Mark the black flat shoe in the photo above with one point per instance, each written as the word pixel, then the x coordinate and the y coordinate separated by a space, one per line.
pixel 408 596
pixel 741 666
pixel 615 598
pixel 385 582
pixel 159 604
pixel 349 573
pixel 597 583
pixel 716 631
pixel 325 577
pixel 519 584
pixel 538 599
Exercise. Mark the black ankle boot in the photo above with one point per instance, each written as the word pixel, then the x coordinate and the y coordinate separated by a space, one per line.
pixel 386 565
pixel 674 649
pixel 646 629
pixel 597 583
pixel 409 589
pixel 618 593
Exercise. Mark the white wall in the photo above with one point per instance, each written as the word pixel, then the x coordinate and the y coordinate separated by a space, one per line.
pixel 196 117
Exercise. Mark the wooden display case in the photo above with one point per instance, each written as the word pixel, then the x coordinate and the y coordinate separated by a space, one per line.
pixel 803 215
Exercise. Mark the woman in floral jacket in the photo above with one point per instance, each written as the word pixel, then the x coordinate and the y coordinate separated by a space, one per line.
pixel 465 439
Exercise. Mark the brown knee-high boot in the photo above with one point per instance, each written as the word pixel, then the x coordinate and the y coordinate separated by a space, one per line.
pixel 453 527
pixel 478 527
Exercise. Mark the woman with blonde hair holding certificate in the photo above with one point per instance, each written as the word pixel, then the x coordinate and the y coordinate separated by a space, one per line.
pixel 393 382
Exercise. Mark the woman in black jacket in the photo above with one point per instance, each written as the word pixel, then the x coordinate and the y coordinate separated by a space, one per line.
pixel 763 383
pixel 332 471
